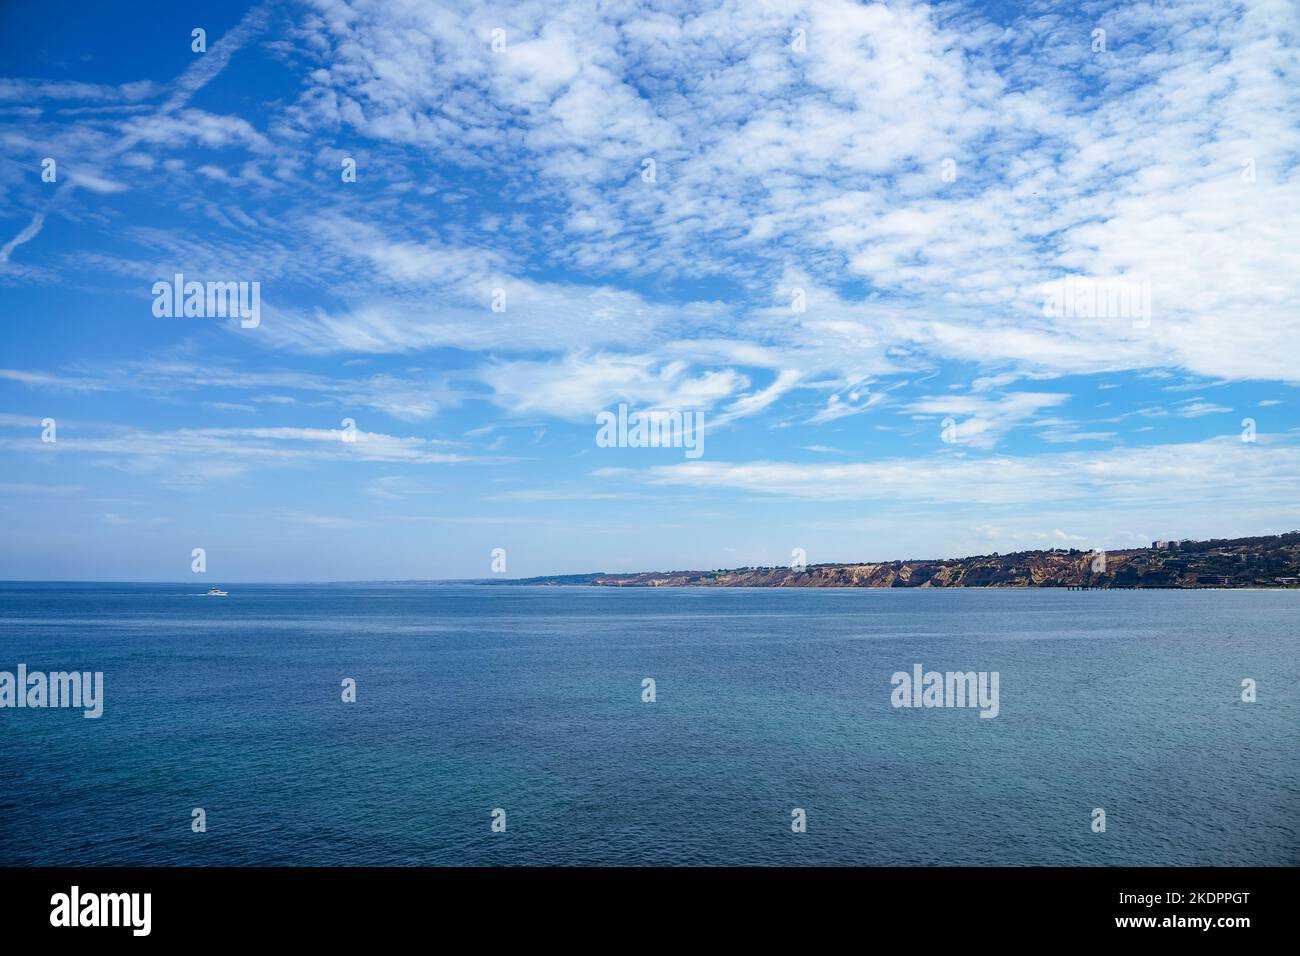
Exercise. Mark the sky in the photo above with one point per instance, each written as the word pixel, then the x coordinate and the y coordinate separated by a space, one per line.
pixel 938 279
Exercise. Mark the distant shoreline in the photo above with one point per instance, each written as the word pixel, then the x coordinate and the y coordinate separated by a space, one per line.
pixel 1267 562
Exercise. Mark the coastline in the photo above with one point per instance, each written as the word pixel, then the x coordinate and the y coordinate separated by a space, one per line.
pixel 1268 562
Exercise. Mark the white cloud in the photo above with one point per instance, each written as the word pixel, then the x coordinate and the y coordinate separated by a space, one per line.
pixel 1223 470
pixel 26 91
pixel 26 234
pixel 1197 408
pixel 833 159
pixel 580 385
pixel 983 421
pixel 240 449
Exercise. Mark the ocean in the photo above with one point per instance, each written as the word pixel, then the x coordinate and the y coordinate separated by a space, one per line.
pixel 529 700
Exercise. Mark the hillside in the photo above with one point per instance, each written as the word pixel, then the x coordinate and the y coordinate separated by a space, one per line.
pixel 1259 562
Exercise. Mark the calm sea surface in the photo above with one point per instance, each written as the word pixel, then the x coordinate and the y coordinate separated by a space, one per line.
pixel 529 699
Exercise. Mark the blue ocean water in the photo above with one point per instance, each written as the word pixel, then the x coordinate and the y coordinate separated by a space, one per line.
pixel 529 699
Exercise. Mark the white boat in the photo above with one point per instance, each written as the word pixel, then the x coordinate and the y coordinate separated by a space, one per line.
pixel 217 592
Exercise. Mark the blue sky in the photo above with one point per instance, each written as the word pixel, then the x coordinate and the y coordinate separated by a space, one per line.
pixel 921 178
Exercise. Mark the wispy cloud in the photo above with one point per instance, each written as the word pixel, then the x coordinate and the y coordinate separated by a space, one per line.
pixel 1223 470
pixel 981 421
pixel 27 234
